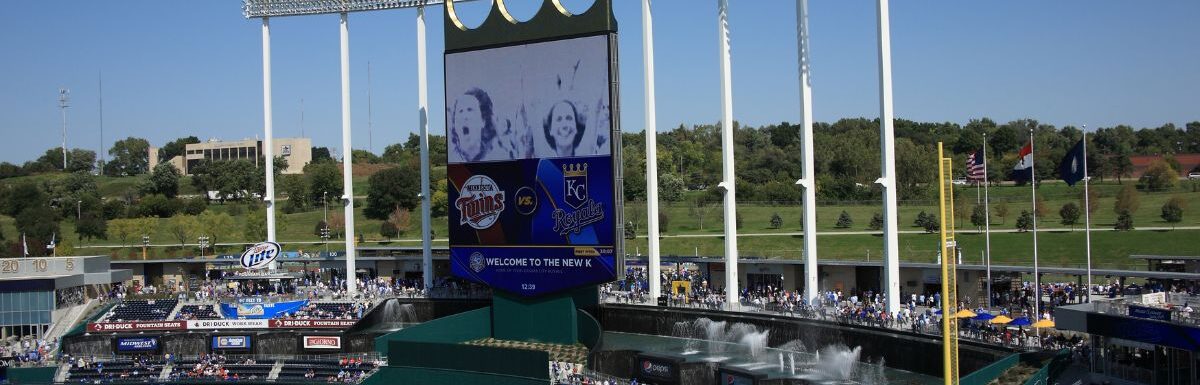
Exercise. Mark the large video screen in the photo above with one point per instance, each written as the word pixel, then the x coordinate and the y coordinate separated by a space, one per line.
pixel 531 170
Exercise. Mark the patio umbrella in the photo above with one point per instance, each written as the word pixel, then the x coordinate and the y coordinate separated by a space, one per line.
pixel 964 313
pixel 1023 321
pixel 1044 324
pixel 1001 320
pixel 984 317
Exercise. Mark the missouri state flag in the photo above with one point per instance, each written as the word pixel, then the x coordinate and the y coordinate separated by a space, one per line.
pixel 1071 168
pixel 1023 171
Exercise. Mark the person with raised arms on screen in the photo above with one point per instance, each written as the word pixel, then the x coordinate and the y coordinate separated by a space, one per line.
pixel 472 129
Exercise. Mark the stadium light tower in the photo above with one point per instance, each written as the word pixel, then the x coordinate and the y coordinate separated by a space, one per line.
pixel 266 9
pixel 63 96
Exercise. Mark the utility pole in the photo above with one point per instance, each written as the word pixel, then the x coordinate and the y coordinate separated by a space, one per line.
pixel 63 97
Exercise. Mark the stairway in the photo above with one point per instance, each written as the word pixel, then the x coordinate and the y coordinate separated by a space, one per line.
pixel 274 374
pixel 165 374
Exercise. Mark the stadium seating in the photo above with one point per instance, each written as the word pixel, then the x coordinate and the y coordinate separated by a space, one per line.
pixel 120 370
pixel 200 312
pixel 294 370
pixel 142 310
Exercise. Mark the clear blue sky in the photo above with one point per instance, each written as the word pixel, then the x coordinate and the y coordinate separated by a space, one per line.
pixel 176 68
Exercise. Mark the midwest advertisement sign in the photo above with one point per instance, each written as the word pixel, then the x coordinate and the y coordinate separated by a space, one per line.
pixel 532 173
pixel 137 344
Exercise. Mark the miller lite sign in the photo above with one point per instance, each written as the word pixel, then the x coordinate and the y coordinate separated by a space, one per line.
pixel 260 255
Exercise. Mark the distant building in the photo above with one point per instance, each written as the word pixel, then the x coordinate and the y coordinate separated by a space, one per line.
pixel 297 152
pixel 1187 163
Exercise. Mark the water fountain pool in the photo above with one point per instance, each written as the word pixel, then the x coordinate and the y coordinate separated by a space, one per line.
pixel 744 347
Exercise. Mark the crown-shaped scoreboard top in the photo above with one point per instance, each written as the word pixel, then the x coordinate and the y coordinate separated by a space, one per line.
pixel 575 169
pixel 551 22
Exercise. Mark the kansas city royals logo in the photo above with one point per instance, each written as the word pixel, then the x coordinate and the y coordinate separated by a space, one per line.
pixel 575 192
pixel 477 262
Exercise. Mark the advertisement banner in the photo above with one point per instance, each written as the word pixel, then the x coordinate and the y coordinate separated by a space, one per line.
pixel 657 369
pixel 531 173
pixel 139 344
pixel 312 323
pixel 260 309
pixel 135 326
pixel 322 342
pixel 231 342
pixel 1150 313
pixel 228 324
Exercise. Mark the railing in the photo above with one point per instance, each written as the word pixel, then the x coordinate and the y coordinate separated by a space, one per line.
pixel 1122 308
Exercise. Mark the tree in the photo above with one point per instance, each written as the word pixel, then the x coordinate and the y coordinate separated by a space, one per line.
pixel 39 222
pixel 929 222
pixel 255 227
pixel 321 154
pixel 663 221
pixel 123 229
pixel 157 206
pixel 1127 200
pixel 184 228
pixel 91 224
pixel 364 156
pixel 1093 200
pixel 978 216
pixel 324 181
pixel 176 147
pixel 22 196
pixel 337 224
pixel 388 230
pixel 700 208
pixel 1070 214
pixel 1001 210
pixel 1172 211
pixel 164 179
pixel 776 221
pixel 1124 221
pixel 298 195
pixel 128 156
pixel 402 219
pixel 876 222
pixel 1041 209
pixel 1024 221
pixel 80 160
pixel 844 221
pixel 670 187
pixel 1161 176
pixel 193 206
pixel 216 226
pixel 439 203
pixel 389 189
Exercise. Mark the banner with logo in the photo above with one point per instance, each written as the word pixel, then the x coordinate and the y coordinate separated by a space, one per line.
pixel 322 342
pixel 260 310
pixel 228 324
pixel 532 192
pixel 135 326
pixel 657 369
pixel 230 342
pixel 139 344
pixel 312 323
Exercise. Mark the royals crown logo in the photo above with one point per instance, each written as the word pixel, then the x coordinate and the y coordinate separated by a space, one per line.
pixel 575 190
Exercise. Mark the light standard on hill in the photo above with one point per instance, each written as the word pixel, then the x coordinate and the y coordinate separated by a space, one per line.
pixel 145 243
pixel 203 240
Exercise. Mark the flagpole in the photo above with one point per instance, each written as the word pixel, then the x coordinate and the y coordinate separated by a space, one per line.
pixel 1037 286
pixel 987 223
pixel 1087 217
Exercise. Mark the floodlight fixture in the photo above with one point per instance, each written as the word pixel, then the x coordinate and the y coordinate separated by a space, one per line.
pixel 276 8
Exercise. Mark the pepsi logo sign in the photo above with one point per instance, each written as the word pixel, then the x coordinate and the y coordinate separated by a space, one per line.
pixel 260 255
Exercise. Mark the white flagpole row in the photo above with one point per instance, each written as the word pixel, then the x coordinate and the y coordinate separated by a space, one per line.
pixel 807 181
pixel 1037 286
pixel 987 223
pixel 1087 217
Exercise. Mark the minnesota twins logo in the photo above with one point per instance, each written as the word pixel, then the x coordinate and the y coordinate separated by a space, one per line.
pixel 479 202
pixel 477 262
pixel 575 191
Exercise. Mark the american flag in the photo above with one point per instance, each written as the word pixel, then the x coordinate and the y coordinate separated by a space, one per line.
pixel 975 166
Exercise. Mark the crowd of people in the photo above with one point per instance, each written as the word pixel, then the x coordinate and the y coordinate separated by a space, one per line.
pixel 566 373
pixel 27 351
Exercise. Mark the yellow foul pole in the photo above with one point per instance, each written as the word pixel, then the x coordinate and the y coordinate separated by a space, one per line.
pixel 949 253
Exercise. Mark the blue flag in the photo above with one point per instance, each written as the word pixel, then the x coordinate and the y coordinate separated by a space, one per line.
pixel 1071 168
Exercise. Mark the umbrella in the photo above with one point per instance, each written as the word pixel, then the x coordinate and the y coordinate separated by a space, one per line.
pixel 1001 320
pixel 984 317
pixel 1044 324
pixel 964 313
pixel 1023 321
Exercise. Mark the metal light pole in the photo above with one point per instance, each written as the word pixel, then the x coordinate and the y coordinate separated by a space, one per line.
pixel 78 212
pixel 653 261
pixel 145 243
pixel 63 97
pixel 727 171
pixel 887 137
pixel 808 180
pixel 268 142
pixel 423 122
pixel 347 157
